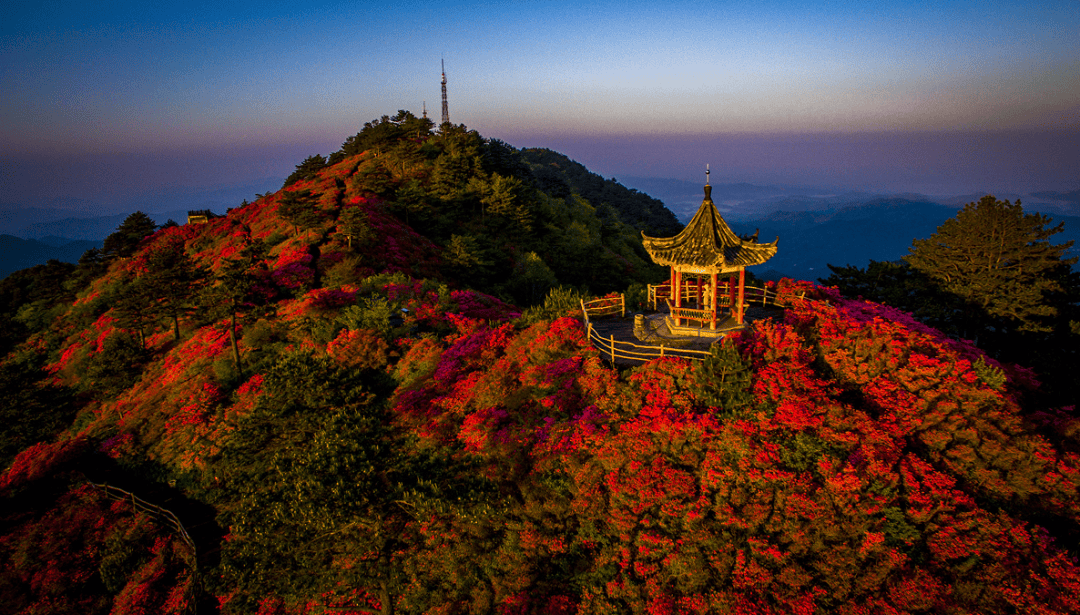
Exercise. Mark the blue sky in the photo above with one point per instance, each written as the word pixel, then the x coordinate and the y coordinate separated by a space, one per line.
pixel 177 82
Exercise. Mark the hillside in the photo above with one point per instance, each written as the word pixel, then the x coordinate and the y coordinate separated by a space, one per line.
pixel 366 393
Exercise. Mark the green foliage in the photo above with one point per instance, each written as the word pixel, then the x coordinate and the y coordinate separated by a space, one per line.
pixel 373 313
pixel 381 135
pixel 991 375
pixel 531 279
pixel 174 280
pixel 802 452
pixel 118 364
pixel 300 210
pixel 998 260
pixel 559 302
pixel 560 177
pixel 307 169
pixel 636 296
pixel 356 229
pixel 32 408
pixel 325 491
pixel 723 379
pixel 238 292
pixel 125 240
pixel 131 300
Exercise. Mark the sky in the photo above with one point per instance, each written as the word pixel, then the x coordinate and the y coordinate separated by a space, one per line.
pixel 103 101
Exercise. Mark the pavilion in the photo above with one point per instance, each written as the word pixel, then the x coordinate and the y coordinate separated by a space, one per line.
pixel 699 256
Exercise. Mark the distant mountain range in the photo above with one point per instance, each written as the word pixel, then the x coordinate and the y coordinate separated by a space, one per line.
pixel 26 240
pixel 24 253
pixel 816 226
pixel 880 229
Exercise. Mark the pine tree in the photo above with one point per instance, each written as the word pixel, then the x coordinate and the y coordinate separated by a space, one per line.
pixel 307 169
pixel 998 260
pixel 175 279
pixel 131 231
pixel 237 292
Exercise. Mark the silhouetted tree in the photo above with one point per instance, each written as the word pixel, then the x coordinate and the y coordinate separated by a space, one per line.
pixel 175 279
pixel 299 209
pixel 998 260
pixel 239 292
pixel 125 240
pixel 307 169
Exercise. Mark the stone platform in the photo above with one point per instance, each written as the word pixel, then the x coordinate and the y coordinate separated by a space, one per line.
pixel 657 331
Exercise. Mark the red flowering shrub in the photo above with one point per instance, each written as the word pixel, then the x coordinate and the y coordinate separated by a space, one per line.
pixel 87 554
pixel 364 348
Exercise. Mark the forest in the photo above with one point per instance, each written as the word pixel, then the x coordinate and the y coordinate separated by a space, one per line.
pixel 371 392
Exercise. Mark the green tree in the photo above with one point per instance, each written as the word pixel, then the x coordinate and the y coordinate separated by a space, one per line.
pixel 125 240
pixel 998 260
pixel 131 303
pixel 307 169
pixel 723 380
pixel 900 286
pixel 117 366
pixel 299 209
pixel 238 292
pixel 176 280
pixel 355 227
pixel 326 493
pixel 33 407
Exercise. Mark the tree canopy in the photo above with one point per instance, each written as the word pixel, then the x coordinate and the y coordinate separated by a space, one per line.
pixel 997 259
pixel 131 231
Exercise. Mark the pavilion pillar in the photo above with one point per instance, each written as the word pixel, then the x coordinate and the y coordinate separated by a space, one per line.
pixel 715 295
pixel 678 295
pixel 742 292
pixel 697 280
pixel 731 294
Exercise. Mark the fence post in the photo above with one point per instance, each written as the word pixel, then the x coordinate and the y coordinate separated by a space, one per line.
pixel 622 300
pixel 612 349
pixel 661 350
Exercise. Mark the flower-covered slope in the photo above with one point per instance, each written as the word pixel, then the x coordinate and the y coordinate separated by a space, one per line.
pixel 371 439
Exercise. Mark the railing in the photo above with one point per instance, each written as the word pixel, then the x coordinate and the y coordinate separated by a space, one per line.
pixel 605 306
pixel 612 349
pixel 157 512
pixel 689 292
pixel 752 295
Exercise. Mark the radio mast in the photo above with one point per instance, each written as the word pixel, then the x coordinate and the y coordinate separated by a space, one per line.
pixel 445 106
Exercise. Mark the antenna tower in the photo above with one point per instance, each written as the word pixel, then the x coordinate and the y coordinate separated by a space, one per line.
pixel 445 106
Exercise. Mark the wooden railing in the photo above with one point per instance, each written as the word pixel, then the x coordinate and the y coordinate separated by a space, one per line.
pixel 158 513
pixel 689 313
pixel 613 349
pixel 689 292
pixel 605 306
pixel 752 295
pixel 163 516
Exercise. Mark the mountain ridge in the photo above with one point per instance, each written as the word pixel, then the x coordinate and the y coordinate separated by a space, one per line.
pixel 326 374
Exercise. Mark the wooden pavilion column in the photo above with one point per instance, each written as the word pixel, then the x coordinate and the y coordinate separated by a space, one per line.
pixel 715 296
pixel 742 293
pixel 731 294
pixel 678 295
pixel 697 280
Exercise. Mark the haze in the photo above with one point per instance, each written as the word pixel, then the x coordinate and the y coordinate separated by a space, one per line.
pixel 100 103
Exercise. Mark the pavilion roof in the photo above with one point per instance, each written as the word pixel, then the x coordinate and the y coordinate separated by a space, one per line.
pixel 708 245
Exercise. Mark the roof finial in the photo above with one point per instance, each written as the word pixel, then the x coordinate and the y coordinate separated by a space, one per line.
pixel 706 174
